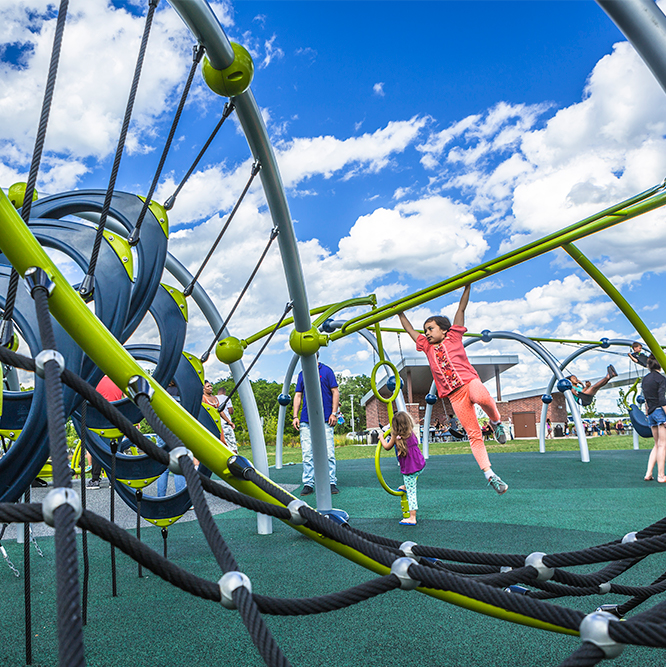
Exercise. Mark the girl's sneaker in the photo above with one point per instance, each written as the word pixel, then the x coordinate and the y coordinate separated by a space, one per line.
pixel 500 435
pixel 497 484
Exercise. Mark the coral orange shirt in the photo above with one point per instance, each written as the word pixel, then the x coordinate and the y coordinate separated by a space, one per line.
pixel 109 390
pixel 448 361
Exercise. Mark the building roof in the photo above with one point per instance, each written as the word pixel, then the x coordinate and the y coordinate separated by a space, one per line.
pixel 484 365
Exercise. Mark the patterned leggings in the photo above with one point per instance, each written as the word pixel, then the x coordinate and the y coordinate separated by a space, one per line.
pixel 410 488
pixel 463 401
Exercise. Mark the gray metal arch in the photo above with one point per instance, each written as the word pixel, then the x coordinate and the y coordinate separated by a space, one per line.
pixel 563 365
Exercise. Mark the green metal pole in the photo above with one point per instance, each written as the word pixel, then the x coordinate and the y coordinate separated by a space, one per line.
pixel 617 298
pixel 537 339
pixel 584 228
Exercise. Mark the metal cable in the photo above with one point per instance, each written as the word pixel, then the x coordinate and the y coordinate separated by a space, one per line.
pixel 197 54
pixel 287 309
pixel 87 286
pixel 112 515
pixel 7 325
pixel 84 533
pixel 27 598
pixel 228 108
pixel 188 290
pixel 206 354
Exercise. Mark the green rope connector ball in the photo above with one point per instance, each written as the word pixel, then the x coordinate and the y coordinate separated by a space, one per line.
pixel 307 343
pixel 230 349
pixel 233 80
pixel 16 194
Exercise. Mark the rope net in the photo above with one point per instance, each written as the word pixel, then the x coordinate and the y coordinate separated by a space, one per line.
pixel 520 583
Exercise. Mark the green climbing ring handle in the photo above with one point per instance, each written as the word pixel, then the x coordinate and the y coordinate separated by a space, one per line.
pixel 373 381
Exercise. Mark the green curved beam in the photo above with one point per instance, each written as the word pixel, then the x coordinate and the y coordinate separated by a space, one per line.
pixel 537 339
pixel 617 298
pixel 630 208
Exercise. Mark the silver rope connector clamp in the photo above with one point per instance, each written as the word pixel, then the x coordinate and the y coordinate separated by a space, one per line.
pixel 174 455
pixel 406 548
pixel 49 355
pixel 536 561
pixel 629 537
pixel 57 497
pixel 138 385
pixel 400 568
pixel 594 629
pixel 36 277
pixel 293 507
pixel 229 583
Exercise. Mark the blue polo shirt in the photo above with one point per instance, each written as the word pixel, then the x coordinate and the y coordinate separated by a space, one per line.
pixel 328 382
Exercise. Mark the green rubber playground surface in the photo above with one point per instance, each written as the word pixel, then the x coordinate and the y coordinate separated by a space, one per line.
pixel 554 503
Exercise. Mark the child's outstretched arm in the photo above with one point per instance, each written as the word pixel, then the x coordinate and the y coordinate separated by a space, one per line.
pixel 459 318
pixel 387 445
pixel 407 326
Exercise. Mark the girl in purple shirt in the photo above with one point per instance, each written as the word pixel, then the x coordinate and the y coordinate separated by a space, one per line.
pixel 409 456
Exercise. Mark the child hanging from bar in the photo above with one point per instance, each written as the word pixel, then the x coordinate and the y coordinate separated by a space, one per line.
pixel 456 379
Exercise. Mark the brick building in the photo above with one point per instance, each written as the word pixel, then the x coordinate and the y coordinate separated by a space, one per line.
pixel 523 410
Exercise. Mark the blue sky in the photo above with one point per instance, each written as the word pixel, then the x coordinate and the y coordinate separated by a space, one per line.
pixel 415 140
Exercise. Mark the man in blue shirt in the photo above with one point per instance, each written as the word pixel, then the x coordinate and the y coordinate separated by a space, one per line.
pixel 331 399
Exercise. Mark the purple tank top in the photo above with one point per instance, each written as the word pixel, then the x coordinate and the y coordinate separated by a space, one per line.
pixel 414 460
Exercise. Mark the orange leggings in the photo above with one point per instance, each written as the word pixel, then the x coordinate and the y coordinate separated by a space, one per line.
pixel 463 401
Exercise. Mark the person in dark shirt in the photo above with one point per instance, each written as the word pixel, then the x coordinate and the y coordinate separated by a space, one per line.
pixel 654 391
pixel 637 355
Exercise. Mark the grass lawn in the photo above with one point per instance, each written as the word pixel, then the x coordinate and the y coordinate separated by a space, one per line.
pixel 292 454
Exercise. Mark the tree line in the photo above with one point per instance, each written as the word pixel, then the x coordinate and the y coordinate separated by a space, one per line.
pixel 266 394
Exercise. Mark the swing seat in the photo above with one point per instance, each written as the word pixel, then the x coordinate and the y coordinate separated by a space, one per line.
pixel 639 421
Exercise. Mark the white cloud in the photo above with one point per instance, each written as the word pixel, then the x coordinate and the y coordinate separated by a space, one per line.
pixel 89 102
pixel 302 158
pixel 378 89
pixel 272 52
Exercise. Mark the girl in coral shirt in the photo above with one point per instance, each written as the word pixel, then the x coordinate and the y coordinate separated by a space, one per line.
pixel 456 378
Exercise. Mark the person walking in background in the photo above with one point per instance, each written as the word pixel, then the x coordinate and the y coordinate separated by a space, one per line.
pixel 226 409
pixel 654 390
pixel 330 395
pixel 456 379
pixel 549 429
pixel 410 459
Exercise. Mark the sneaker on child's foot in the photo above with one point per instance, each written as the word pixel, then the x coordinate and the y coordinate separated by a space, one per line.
pixel 497 484
pixel 500 435
pixel 92 484
pixel 611 371
pixel 307 490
